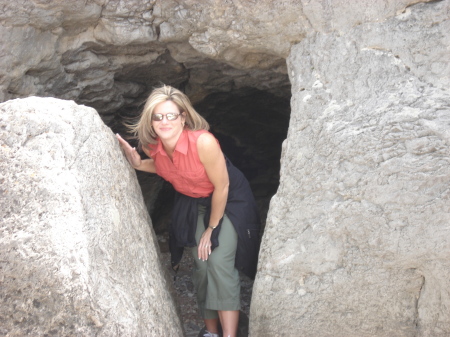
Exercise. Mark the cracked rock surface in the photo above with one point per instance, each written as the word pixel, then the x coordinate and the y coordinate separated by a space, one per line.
pixel 73 219
pixel 357 236
pixel 108 54
pixel 364 196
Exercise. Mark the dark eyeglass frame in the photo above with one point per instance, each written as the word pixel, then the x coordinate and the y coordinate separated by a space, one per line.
pixel 171 116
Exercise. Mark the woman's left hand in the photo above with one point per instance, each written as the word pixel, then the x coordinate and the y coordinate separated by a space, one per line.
pixel 204 246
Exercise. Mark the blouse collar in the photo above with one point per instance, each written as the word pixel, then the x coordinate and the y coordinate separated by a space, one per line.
pixel 182 145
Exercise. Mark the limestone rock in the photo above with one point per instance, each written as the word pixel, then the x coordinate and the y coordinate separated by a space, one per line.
pixel 78 255
pixel 351 246
pixel 357 240
pixel 108 54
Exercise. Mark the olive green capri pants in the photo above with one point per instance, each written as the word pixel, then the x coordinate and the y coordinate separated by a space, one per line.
pixel 216 280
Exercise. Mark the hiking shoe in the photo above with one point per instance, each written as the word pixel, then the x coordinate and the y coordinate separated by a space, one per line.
pixel 206 333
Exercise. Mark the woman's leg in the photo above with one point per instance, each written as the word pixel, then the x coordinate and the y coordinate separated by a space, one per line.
pixel 200 279
pixel 223 279
pixel 217 280
pixel 212 325
pixel 229 321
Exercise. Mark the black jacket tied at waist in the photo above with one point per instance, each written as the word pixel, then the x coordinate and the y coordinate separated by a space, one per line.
pixel 241 209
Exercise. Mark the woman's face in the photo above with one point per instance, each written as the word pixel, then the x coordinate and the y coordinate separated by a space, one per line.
pixel 165 129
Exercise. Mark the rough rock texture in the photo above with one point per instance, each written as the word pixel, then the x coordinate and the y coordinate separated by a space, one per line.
pixel 77 252
pixel 109 53
pixel 357 241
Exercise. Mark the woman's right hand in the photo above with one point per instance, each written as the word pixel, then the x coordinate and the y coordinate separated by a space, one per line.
pixel 130 152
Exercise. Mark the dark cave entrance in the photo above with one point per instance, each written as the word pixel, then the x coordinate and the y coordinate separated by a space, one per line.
pixel 248 111
pixel 250 125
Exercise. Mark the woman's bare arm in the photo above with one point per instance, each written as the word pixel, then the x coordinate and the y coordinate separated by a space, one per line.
pixel 213 160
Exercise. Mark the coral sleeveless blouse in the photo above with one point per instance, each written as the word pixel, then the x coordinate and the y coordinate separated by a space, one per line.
pixel 185 171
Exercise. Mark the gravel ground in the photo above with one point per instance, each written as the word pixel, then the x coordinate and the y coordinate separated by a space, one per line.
pixel 186 295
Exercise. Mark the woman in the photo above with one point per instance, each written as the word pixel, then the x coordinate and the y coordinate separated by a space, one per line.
pixel 214 212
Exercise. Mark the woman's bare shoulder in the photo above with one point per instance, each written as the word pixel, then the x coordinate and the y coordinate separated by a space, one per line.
pixel 208 147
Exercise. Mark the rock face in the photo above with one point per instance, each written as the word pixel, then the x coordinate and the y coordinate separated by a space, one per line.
pixel 109 53
pixel 77 252
pixel 357 241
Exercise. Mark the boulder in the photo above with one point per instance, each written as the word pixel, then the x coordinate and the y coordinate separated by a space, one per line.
pixel 78 255
pixel 357 239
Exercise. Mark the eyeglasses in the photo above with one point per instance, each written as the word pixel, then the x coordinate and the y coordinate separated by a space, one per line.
pixel 169 116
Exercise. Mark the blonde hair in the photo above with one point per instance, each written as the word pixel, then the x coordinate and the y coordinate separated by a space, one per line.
pixel 143 129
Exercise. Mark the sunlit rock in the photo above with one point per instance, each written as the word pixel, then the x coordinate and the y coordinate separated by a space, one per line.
pixel 78 255
pixel 357 240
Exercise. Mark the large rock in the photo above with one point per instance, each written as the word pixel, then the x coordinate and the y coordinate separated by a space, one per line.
pixel 357 241
pixel 78 256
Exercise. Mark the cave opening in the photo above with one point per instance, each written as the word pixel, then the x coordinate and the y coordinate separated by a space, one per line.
pixel 246 103
pixel 250 125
